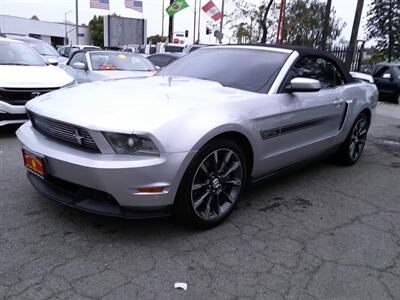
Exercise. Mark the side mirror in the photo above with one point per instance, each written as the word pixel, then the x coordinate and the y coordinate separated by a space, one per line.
pixel 387 76
pixel 301 84
pixel 52 61
pixel 79 65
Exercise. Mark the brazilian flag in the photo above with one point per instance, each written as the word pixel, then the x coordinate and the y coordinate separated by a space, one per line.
pixel 176 6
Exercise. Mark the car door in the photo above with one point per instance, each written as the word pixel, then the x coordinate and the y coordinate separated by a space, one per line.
pixel 310 121
pixel 80 76
pixel 386 83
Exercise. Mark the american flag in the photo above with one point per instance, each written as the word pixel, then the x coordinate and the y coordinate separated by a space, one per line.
pixel 134 4
pixel 101 4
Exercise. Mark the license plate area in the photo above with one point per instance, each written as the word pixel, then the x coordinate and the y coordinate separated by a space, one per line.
pixel 34 163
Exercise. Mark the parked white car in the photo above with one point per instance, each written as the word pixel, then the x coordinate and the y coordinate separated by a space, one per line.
pixel 24 75
pixel 46 50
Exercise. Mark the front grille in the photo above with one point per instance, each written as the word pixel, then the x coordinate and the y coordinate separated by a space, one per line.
pixel 64 132
pixel 17 96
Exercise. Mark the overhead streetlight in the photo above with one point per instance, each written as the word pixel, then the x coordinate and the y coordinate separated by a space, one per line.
pixel 65 23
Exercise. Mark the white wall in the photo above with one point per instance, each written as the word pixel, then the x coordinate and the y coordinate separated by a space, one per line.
pixel 23 26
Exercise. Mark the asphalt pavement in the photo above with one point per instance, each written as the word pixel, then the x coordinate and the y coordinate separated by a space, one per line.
pixel 322 232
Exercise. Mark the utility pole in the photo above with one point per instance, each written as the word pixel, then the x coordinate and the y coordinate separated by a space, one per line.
pixel 194 22
pixel 354 34
pixel 325 27
pixel 171 26
pixel 77 22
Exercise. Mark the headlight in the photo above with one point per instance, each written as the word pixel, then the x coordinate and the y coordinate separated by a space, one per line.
pixel 131 144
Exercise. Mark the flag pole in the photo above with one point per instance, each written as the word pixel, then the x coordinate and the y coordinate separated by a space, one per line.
pixel 222 15
pixel 77 22
pixel 278 32
pixel 171 26
pixel 162 18
pixel 194 22
pixel 198 26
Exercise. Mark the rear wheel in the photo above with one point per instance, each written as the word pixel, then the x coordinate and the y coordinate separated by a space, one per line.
pixel 396 99
pixel 352 148
pixel 212 184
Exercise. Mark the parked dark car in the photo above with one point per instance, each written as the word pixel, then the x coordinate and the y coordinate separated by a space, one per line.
pixel 162 60
pixel 387 79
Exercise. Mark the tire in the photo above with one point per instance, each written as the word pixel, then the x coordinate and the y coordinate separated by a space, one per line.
pixel 212 184
pixel 396 100
pixel 352 148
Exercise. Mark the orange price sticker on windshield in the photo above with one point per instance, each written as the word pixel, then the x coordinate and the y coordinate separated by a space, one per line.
pixel 107 67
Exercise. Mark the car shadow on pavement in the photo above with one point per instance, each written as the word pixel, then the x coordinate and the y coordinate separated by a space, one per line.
pixel 8 131
pixel 120 229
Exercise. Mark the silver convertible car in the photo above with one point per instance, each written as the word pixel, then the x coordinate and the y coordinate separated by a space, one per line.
pixel 187 140
pixel 88 65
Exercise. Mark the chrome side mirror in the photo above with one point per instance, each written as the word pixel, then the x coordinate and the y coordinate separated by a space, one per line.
pixel 301 84
pixel 79 65
pixel 52 61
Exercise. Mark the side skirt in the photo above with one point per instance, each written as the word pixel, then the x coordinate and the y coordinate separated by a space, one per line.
pixel 295 166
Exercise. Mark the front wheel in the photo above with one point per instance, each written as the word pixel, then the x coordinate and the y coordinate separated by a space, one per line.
pixel 212 184
pixel 352 148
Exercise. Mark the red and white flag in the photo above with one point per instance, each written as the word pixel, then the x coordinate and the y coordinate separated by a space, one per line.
pixel 212 10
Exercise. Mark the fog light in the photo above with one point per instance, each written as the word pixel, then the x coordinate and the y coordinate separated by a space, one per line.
pixel 151 189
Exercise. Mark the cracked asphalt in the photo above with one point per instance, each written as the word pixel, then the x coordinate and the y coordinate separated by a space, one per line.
pixel 323 232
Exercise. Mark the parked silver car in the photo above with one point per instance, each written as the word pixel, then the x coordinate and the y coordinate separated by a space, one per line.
pixel 87 66
pixel 189 139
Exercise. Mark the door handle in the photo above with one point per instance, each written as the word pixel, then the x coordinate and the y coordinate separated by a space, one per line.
pixel 339 101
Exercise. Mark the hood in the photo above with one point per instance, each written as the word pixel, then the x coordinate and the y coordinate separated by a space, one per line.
pixel 33 77
pixel 128 105
pixel 105 75
pixel 59 58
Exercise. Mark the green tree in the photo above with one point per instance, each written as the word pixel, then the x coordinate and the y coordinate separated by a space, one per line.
pixel 383 25
pixel 96 29
pixel 253 23
pixel 303 23
pixel 154 39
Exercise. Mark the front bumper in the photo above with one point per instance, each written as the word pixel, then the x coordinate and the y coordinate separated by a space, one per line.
pixel 117 176
pixel 12 114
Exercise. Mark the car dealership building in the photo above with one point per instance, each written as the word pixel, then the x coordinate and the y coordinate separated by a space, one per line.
pixel 51 32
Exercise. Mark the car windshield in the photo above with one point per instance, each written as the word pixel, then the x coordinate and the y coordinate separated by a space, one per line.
pixel 16 53
pixel 120 61
pixel 43 48
pixel 247 69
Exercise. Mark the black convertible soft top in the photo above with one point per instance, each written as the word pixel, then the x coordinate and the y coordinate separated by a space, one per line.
pixel 306 51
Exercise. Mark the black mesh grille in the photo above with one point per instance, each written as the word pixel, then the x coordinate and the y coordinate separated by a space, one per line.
pixel 64 132
pixel 17 96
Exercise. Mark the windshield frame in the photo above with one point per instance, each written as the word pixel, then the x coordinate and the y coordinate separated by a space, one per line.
pixel 117 54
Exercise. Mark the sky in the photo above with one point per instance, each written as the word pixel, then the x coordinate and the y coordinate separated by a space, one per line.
pixel 54 10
